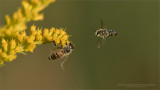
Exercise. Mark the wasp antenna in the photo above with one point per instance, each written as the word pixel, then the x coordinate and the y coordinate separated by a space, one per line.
pixel 66 43
pixel 102 24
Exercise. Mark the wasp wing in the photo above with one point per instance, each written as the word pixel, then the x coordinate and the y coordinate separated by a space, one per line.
pixel 103 26
pixel 100 42
pixel 64 62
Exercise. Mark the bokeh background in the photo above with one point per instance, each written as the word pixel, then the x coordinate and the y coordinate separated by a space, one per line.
pixel 127 61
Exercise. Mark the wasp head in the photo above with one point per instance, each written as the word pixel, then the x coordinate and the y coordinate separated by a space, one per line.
pixel 71 45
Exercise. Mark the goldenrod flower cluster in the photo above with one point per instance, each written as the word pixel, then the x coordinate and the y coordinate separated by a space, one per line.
pixel 13 38
pixel 21 43
pixel 29 12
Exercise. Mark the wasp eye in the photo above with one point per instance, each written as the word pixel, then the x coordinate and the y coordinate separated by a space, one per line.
pixel 71 45
pixel 98 33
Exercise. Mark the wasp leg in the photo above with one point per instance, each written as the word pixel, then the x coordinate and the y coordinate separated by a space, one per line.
pixel 54 43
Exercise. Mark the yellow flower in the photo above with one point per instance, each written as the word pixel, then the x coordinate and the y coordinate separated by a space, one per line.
pixel 12 44
pixel 57 31
pixel 4 55
pixel 46 33
pixel 23 34
pixel 20 15
pixel 8 32
pixel 57 41
pixel 67 42
pixel 15 17
pixel 4 45
pixel 29 39
pixel 55 36
pixel 63 43
pixel 39 37
pixel 35 2
pixel 12 52
pixel 30 47
pixel 28 12
pixel 39 32
pixel 13 35
pixel 52 30
pixel 19 49
pixel 1 62
pixel 11 57
pixel 8 20
pixel 63 32
pixel 21 43
pixel 33 30
pixel 37 17
pixel 0 50
pixel 65 37
pixel 20 36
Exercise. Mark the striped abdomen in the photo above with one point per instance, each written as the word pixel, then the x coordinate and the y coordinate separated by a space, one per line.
pixel 112 32
pixel 56 54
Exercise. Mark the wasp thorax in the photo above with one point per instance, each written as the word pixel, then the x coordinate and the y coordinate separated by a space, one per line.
pixel 68 47
pixel 102 33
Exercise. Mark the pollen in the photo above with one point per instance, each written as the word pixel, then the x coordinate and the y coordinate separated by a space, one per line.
pixel 57 31
pixel 57 41
pixel 63 43
pixel 39 32
pixel 39 37
pixel 8 20
pixel 12 44
pixel 29 39
pixel 30 47
pixel 19 49
pixel 33 30
pixel 11 57
pixel 65 37
pixel 4 55
pixel 4 45
pixel 52 30
pixel 12 52
pixel 46 33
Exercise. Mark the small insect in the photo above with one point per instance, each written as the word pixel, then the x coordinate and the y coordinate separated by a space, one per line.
pixel 62 52
pixel 102 33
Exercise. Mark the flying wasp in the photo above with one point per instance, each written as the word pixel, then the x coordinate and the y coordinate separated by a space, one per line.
pixel 103 33
pixel 62 52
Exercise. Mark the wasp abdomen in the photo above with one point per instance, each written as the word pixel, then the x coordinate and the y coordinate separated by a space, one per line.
pixel 112 33
pixel 52 57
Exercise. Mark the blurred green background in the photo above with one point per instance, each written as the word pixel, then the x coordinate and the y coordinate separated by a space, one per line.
pixel 130 58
